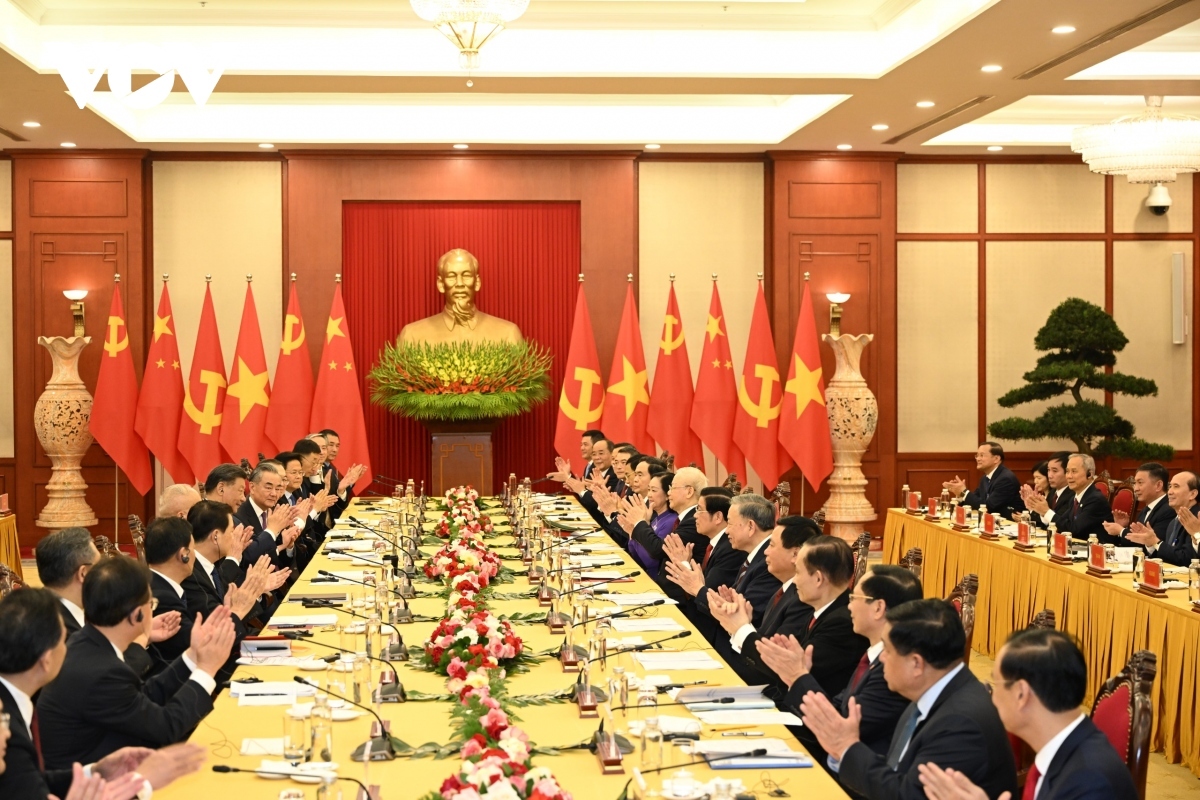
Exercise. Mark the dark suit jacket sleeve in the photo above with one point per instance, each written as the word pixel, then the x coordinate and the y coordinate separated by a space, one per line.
pixel 1093 513
pixel 164 712
pixel 955 743
pixel 759 594
pixel 837 649
pixel 1004 494
pixel 140 660
pixel 1179 552
pixel 21 779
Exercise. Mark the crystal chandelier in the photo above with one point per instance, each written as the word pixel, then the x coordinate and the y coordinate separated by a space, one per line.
pixel 469 24
pixel 1151 147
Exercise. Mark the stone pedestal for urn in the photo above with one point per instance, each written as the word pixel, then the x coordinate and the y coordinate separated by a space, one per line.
pixel 853 416
pixel 61 419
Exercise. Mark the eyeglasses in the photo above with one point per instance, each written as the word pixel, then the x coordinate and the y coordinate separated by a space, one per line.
pixel 863 597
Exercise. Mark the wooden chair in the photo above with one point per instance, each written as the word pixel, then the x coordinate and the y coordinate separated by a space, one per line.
pixel 1123 499
pixel 1124 712
pixel 1043 620
pixel 862 546
pixel 819 518
pixel 105 546
pixel 668 458
pixel 138 532
pixel 912 560
pixel 8 580
pixel 962 597
pixel 1104 483
pixel 246 464
pixel 782 497
pixel 732 483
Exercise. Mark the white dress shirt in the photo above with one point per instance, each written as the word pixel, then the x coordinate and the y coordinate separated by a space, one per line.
pixel 75 610
pixel 739 636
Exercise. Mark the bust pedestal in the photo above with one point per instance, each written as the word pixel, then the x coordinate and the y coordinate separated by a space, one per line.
pixel 853 415
pixel 60 419
pixel 461 455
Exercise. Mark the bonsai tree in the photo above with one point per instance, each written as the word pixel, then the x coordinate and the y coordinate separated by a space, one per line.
pixel 1080 340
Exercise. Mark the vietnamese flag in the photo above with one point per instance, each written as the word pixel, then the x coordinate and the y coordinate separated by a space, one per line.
pixel 581 380
pixel 627 402
pixel 248 396
pixel 715 404
pixel 204 397
pixel 671 398
pixel 803 423
pixel 760 399
pixel 115 406
pixel 337 402
pixel 291 395
pixel 160 404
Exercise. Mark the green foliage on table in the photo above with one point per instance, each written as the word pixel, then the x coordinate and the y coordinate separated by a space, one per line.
pixel 1080 340
pixel 460 381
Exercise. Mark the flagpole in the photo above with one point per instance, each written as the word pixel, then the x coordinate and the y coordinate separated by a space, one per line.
pixel 116 477
pixel 802 482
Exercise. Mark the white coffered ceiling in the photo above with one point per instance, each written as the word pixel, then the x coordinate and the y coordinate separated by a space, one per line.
pixel 691 75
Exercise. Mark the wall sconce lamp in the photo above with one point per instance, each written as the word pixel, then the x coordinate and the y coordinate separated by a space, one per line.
pixel 76 297
pixel 835 311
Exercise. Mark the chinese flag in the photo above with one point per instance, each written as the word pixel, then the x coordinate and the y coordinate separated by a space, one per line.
pixel 803 423
pixel 337 402
pixel 115 405
pixel 581 384
pixel 160 404
pixel 291 397
pixel 627 402
pixel 204 397
pixel 760 398
pixel 248 395
pixel 671 400
pixel 715 403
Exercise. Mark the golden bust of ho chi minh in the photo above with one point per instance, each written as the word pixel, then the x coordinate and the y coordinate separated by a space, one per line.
pixel 460 320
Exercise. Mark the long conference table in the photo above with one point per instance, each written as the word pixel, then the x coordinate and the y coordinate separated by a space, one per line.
pixel 556 724
pixel 1109 617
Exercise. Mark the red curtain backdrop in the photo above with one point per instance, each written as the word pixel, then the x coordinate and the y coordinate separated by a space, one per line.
pixel 529 261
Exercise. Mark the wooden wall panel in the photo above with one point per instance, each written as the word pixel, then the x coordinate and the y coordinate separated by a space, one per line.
pixel 835 218
pixel 78 219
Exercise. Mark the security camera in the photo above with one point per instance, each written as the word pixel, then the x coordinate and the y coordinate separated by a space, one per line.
pixel 1159 201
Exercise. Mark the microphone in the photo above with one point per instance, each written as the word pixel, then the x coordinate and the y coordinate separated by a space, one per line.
pixel 719 700
pixel 328 574
pixel 318 603
pixel 648 645
pixel 633 574
pixel 225 768
pixel 392 481
pixel 561 542
pixel 370 560
pixel 388 753
pixel 658 602
pixel 359 523
pixel 299 638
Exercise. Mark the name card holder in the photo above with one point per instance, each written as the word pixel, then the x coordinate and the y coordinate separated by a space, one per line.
pixel 932 513
pixel 914 505
pixel 546 595
pixel 609 756
pixel 4 509
pixel 587 700
pixel 959 522
pixel 989 528
pixel 1151 584
pixel 1060 549
pixel 1097 567
pixel 557 621
pixel 1196 606
pixel 1023 544
pixel 570 657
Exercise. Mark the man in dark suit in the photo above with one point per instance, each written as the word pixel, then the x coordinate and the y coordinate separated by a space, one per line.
pixel 690 571
pixel 274 532
pixel 98 704
pixel 751 520
pixel 64 559
pixel 1154 512
pixel 998 489
pixel 788 613
pixel 226 483
pixel 1039 681
pixel 341 487
pixel 1057 497
pixel 217 547
pixel 32 650
pixel 1088 508
pixel 884 586
pixel 563 466
pixel 1175 545
pixel 950 720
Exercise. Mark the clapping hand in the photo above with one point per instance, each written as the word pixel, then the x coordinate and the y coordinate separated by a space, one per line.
pixel 686 575
pixel 676 550
pixel 280 518
pixel 956 486
pixel 303 508
pixel 322 500
pixel 239 541
pixel 1141 534
pixel 1121 518
pixel 352 477
pixel 123 761
pixel 950 784
pixel 564 470
pixel 212 640
pixel 164 626
pixel 835 732
pixel 574 485
pixel 97 788
pixel 1036 503
pixel 163 766
pixel 732 613
pixel 785 656
pixel 606 501
pixel 1188 520
pixel 277 578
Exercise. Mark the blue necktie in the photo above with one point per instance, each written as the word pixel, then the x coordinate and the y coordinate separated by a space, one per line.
pixel 216 579
pixel 904 733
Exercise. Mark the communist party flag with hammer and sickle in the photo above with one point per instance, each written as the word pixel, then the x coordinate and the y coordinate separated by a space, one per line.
pixel 581 401
pixel 337 402
pixel 115 405
pixel 671 398
pixel 248 395
pixel 204 397
pixel 803 423
pixel 715 403
pixel 160 405
pixel 760 398
pixel 627 402
pixel 291 397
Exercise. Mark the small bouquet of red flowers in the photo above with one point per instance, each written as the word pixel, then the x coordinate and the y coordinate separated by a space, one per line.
pixel 465 556
pixel 468 640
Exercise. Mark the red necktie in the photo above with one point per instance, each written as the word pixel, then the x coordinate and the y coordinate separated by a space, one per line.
pixel 1075 508
pixel 812 623
pixel 37 741
pixel 775 600
pixel 863 666
pixel 675 527
pixel 740 575
pixel 707 555
pixel 1031 782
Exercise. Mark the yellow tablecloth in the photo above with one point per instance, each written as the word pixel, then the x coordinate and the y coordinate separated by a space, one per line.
pixel 419 722
pixel 10 545
pixel 1108 616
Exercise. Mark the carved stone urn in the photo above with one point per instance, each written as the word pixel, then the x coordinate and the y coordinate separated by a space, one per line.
pixel 853 415
pixel 61 419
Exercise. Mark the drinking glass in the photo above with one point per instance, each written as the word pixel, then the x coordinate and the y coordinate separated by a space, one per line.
pixel 295 735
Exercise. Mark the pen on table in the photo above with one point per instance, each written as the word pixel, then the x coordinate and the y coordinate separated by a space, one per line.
pixel 742 733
